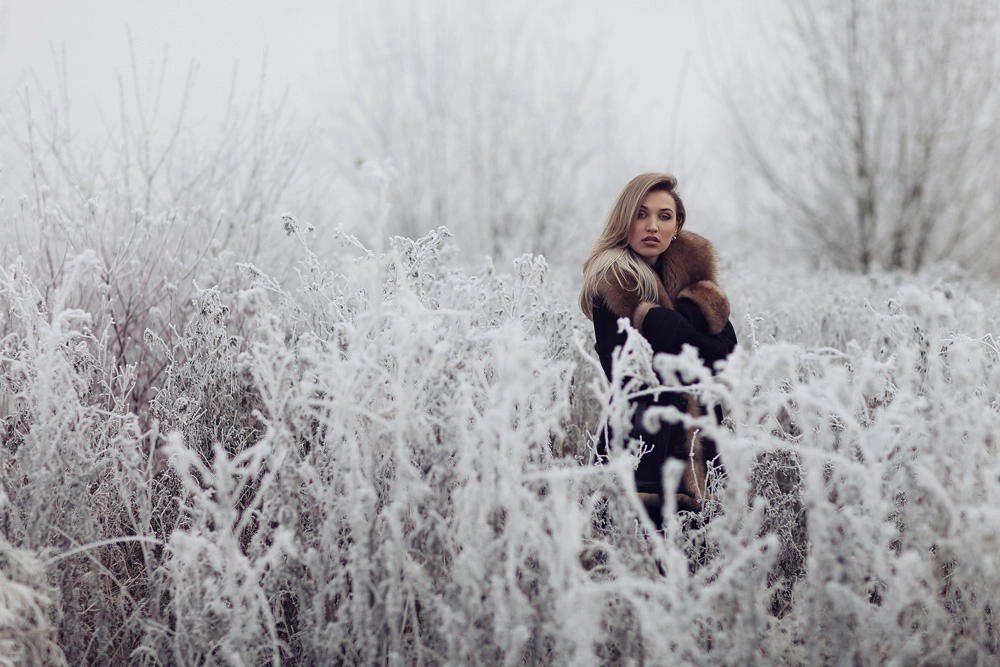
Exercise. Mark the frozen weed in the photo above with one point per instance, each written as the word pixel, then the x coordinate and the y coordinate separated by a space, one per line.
pixel 386 459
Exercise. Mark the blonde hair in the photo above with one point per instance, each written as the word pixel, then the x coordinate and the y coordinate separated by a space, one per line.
pixel 611 255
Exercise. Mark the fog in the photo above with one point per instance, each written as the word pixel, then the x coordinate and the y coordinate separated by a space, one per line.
pixel 293 369
pixel 663 65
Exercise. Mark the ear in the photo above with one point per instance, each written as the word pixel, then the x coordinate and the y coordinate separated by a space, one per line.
pixel 712 301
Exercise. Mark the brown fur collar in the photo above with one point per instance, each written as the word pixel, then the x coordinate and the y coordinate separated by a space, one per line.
pixel 687 270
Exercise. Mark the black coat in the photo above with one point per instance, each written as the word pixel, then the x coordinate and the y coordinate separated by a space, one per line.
pixel 687 290
pixel 667 331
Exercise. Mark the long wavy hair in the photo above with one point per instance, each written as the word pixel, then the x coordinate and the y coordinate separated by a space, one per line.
pixel 611 255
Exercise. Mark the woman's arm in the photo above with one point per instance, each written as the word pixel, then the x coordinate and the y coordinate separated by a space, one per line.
pixel 606 334
pixel 669 330
pixel 666 330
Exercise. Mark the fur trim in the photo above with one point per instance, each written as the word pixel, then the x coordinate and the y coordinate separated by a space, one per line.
pixel 621 296
pixel 640 314
pixel 696 472
pixel 687 270
pixel 712 301
pixel 686 503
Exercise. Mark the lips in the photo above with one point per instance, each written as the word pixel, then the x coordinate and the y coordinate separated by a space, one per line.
pixel 651 240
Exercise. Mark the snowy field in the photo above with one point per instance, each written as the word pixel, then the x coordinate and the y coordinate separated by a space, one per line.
pixel 382 458
pixel 237 436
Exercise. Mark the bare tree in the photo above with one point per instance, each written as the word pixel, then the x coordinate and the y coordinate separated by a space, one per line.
pixel 879 138
pixel 496 122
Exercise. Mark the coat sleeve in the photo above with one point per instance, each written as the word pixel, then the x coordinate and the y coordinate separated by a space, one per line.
pixel 606 334
pixel 666 330
pixel 669 330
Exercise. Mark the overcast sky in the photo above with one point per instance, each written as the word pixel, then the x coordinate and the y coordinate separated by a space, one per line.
pixel 644 41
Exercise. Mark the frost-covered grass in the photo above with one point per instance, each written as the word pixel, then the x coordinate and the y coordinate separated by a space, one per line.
pixel 384 455
pixel 384 459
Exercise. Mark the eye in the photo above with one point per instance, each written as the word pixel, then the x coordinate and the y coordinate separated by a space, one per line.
pixel 665 216
pixel 640 215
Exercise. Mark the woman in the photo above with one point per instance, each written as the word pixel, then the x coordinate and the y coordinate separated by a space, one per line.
pixel 644 268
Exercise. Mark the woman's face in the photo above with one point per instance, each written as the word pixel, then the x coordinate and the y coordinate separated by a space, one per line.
pixel 654 225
